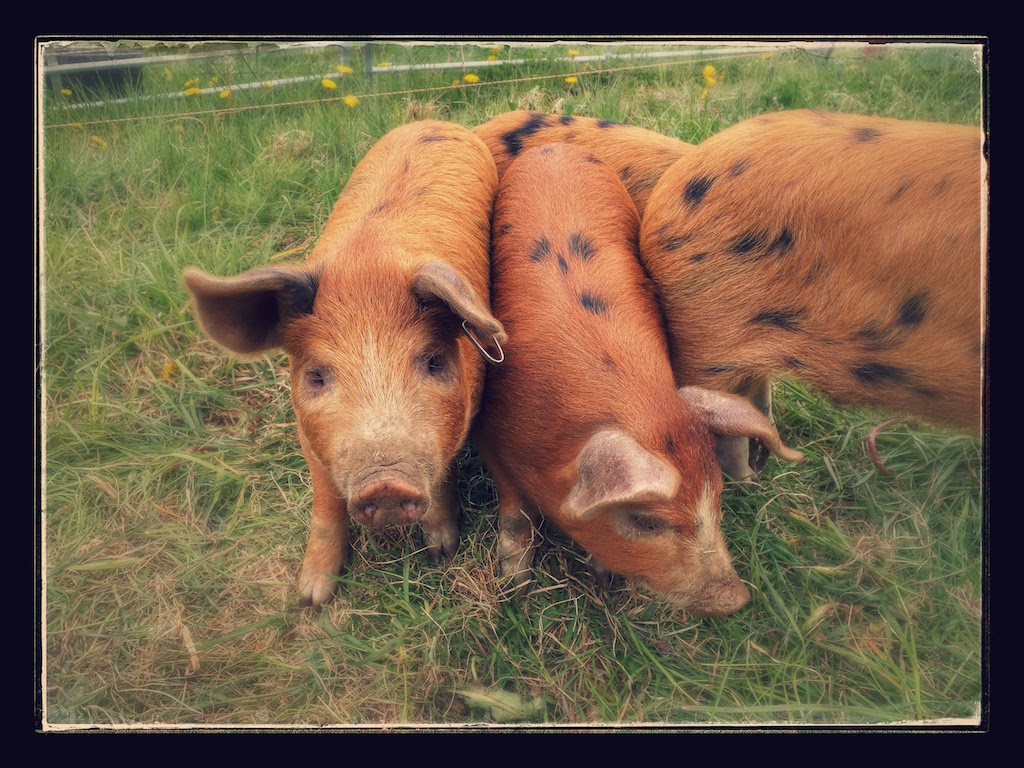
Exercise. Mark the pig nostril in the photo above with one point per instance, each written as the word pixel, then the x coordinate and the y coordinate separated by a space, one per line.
pixel 411 509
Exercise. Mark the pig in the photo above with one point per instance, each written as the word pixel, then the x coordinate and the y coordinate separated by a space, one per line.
pixel 842 250
pixel 637 155
pixel 582 423
pixel 381 324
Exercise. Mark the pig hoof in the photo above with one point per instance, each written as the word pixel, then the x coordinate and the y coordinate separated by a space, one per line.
pixel 442 545
pixel 316 591
pixel 602 575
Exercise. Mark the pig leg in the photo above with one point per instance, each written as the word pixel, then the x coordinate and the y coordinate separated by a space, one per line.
pixel 517 536
pixel 741 457
pixel 328 535
pixel 328 539
pixel 441 522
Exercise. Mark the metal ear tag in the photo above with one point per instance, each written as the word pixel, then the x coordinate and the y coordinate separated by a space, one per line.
pixel 484 352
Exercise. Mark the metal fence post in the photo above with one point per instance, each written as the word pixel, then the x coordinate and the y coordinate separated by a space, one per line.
pixel 367 60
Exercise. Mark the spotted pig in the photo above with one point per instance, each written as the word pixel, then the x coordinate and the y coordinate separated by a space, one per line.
pixel 637 155
pixel 583 423
pixel 384 381
pixel 842 250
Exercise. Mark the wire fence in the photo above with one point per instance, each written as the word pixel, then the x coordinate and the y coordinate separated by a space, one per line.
pixel 661 59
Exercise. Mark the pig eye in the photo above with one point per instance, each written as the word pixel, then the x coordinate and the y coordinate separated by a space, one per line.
pixel 436 365
pixel 317 378
pixel 642 523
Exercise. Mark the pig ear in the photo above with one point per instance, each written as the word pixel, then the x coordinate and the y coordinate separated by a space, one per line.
pixel 728 415
pixel 614 469
pixel 245 314
pixel 439 281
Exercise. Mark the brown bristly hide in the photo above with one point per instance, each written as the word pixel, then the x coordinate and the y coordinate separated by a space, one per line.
pixel 383 381
pixel 583 423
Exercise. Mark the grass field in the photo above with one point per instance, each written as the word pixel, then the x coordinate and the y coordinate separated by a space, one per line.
pixel 177 502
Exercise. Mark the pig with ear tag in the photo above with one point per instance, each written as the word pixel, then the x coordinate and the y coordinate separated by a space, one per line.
pixel 583 423
pixel 381 324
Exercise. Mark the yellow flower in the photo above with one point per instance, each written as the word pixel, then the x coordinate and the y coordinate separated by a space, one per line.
pixel 66 91
pixel 168 370
pixel 167 74
pixel 704 95
pixel 495 49
pixel 225 94
pixel 212 82
pixel 268 84
pixel 178 127
pixel 192 82
pixel 492 57
pixel 384 64
pixel 573 53
pixel 343 69
pixel 192 91
pixel 471 78
pixel 455 82
pixel 570 79
pixel 351 100
pixel 329 84
pixel 97 140
pixel 709 71
pixel 79 126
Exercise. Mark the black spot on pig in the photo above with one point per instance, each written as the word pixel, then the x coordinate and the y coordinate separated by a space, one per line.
pixel 608 363
pixel 782 244
pixel 563 265
pixel 698 257
pixel 593 304
pixel 748 242
pixel 607 123
pixel 432 137
pixel 671 242
pixel 547 150
pixel 504 229
pixel 670 445
pixel 739 167
pixel 793 362
pixel 696 189
pixel 877 374
pixel 513 140
pixel 567 119
pixel 581 246
pixel 720 369
pixel 381 208
pixel 866 134
pixel 626 172
pixel 541 250
pixel 787 319
pixel 943 183
pixel 592 159
pixel 913 310
pixel 873 336
pixel 903 187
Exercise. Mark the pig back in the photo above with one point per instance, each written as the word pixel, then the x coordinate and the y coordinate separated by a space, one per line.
pixel 577 306
pixel 638 156
pixel 424 192
pixel 841 249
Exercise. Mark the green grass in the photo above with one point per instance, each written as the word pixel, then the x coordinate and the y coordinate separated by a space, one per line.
pixel 177 501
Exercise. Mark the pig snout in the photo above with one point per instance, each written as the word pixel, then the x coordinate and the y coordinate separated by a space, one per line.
pixel 388 499
pixel 719 598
